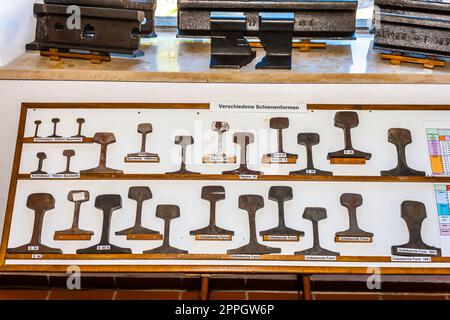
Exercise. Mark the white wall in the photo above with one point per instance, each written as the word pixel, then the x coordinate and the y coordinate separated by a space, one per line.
pixel 17 26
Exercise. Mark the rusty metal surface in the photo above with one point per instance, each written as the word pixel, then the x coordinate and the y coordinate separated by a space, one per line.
pixel 212 194
pixel 280 124
pixel 138 194
pixel 183 141
pixel 78 197
pixel 352 201
pixel 104 139
pixel 37 123
pixel 55 127
pixel 315 215
pixel 281 194
pixel 103 30
pixel 243 139
pixel 80 122
pixel 40 203
pixel 346 120
pixel 412 26
pixel 309 140
pixel 68 154
pixel 167 213
pixel 147 6
pixel 414 213
pixel 401 138
pixel 144 129
pixel 41 156
pixel 252 203
pixel 317 19
pixel 107 203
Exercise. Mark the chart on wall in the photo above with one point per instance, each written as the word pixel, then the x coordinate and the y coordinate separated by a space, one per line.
pixel 157 185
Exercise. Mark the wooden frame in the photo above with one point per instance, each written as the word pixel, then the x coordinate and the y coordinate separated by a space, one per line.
pixel 204 268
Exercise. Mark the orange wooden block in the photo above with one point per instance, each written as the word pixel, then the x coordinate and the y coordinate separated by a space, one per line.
pixel 348 161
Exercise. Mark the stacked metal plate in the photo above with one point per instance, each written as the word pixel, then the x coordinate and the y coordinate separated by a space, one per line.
pixel 312 19
pixel 104 26
pixel 413 26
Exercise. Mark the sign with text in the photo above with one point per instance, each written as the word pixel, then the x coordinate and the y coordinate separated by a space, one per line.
pixel 262 107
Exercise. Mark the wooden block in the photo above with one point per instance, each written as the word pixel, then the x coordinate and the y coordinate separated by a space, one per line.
pixel 397 59
pixel 348 161
pixel 268 159
pixel 281 238
pixel 218 237
pixel 144 236
pixel 211 158
pixel 73 237
pixel 353 239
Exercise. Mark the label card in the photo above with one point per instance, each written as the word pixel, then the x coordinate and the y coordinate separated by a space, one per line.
pixel 259 107
pixel 246 256
pixel 410 259
pixel 320 258
pixel 62 139
pixel 216 237
pixel 248 177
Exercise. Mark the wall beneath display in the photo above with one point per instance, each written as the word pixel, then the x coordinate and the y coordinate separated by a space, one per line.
pixel 13 93
pixel 17 25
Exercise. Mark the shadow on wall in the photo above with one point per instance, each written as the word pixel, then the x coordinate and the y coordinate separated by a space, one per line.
pixel 17 25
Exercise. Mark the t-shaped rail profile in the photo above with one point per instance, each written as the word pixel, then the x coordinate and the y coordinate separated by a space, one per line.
pixel 401 138
pixel 219 157
pixel 68 154
pixel 78 197
pixel 213 194
pixel 40 203
pixel 80 122
pixel 251 204
pixel 104 139
pixel 36 130
pixel 41 156
pixel 144 129
pixel 167 213
pixel 353 234
pixel 229 48
pixel 414 213
pixel 243 139
pixel 315 215
pixel 107 203
pixel 138 232
pixel 276 31
pixel 281 194
pixel 55 126
pixel 346 120
pixel 309 140
pixel 183 141
pixel 280 156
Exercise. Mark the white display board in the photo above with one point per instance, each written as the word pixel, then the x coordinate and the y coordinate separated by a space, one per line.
pixel 380 212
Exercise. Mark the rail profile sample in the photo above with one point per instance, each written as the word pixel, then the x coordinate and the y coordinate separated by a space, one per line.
pixel 413 26
pixel 103 30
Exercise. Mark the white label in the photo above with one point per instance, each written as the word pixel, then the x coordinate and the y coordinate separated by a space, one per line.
pixel 33 248
pixel 40 176
pixel 62 139
pixel 79 196
pixel 279 155
pixel 55 176
pixel 248 177
pixel 278 160
pixel 246 256
pixel 349 152
pixel 36 256
pixel 153 159
pixel 103 248
pixel 410 259
pixel 261 107
pixel 417 251
pixel 311 171
pixel 322 258
pixel 355 239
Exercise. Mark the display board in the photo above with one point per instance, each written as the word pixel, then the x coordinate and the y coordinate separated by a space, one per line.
pixel 177 187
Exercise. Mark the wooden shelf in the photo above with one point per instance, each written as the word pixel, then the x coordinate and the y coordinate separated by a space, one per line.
pixel 265 257
pixel 220 177
pixel 31 140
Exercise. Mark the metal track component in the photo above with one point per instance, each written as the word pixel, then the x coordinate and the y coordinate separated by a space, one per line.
pixel 103 30
pixel 312 19
pixel 413 26
pixel 147 6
